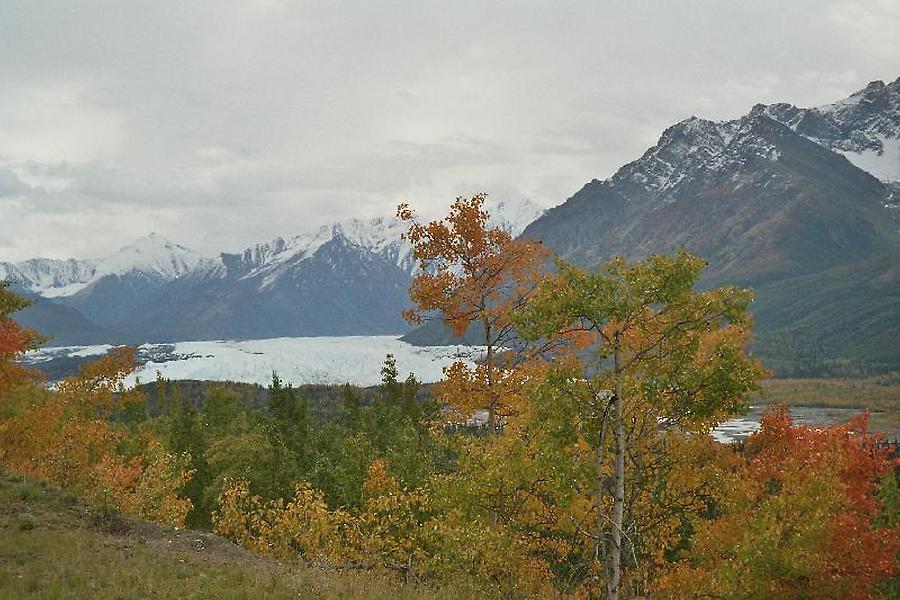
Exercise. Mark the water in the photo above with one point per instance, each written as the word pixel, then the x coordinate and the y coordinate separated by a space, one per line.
pixel 740 427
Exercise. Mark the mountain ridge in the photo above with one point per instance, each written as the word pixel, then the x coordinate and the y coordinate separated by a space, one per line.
pixel 770 206
pixel 344 278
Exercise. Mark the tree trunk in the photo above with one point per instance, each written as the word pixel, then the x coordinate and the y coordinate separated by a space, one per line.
pixel 615 551
pixel 493 517
pixel 598 500
pixel 492 394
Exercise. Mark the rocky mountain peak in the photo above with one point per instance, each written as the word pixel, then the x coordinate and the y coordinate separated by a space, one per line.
pixel 152 255
pixel 514 215
pixel 864 127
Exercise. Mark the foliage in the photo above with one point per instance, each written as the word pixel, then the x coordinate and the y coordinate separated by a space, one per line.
pixel 14 341
pixel 598 475
pixel 473 274
pixel 800 512
pixel 69 437
pixel 678 363
pixel 228 438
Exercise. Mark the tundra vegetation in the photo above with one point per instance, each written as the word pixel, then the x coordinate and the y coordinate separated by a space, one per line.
pixel 594 476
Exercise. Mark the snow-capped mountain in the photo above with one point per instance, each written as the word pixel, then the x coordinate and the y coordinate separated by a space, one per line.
pixel 269 261
pixel 865 127
pixel 780 200
pixel 157 258
pixel 692 149
pixel 800 203
pixel 152 256
pixel 50 277
pixel 348 278
pixel 515 216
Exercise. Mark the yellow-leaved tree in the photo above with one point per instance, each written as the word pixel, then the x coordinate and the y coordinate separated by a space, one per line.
pixel 670 360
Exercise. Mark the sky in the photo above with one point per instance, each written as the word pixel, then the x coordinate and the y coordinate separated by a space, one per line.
pixel 225 123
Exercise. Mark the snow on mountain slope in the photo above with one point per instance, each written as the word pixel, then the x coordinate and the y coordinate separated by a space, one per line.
pixel 864 127
pixel 327 360
pixel 513 216
pixel 151 256
pixel 883 163
pixel 381 236
pixel 689 144
pixel 156 257
pixel 50 277
pixel 694 150
pixel 348 278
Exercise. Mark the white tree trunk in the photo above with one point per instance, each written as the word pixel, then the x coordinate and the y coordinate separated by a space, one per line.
pixel 615 552
pixel 598 500
pixel 492 392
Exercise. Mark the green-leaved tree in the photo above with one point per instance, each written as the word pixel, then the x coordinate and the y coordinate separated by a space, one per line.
pixel 668 357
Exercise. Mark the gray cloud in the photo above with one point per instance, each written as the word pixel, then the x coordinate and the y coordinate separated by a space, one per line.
pixel 222 123
pixel 10 184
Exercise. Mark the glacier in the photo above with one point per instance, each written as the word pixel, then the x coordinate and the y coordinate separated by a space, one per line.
pixel 356 360
pixel 297 360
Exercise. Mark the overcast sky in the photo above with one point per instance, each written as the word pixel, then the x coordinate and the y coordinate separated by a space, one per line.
pixel 219 124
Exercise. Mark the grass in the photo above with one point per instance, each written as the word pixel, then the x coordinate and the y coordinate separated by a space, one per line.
pixel 878 393
pixel 52 545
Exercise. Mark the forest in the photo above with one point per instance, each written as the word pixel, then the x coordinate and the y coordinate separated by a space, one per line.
pixel 592 475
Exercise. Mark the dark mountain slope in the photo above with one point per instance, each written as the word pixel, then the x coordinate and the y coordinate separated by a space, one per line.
pixel 769 204
pixel 767 207
pixel 348 278
pixel 67 326
pixel 775 200
pixel 843 320
pixel 341 290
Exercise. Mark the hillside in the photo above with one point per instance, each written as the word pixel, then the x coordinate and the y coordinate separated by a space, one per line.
pixel 774 203
pixel 52 545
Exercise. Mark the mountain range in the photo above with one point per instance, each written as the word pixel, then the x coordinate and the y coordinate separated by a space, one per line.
pixel 802 204
pixel 348 278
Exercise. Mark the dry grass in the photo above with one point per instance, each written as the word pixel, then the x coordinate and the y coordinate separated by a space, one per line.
pixel 881 393
pixel 54 546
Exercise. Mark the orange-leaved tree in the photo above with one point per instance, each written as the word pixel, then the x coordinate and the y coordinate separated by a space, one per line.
pixel 800 517
pixel 15 340
pixel 69 436
pixel 473 274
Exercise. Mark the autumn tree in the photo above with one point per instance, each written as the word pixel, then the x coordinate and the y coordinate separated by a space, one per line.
pixel 800 511
pixel 473 274
pixel 74 436
pixel 14 340
pixel 668 358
